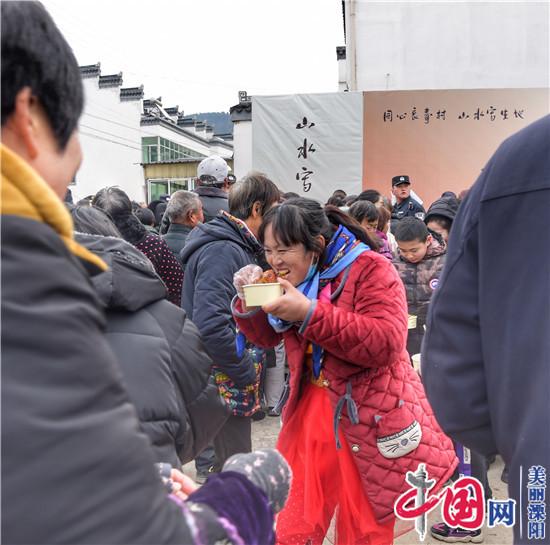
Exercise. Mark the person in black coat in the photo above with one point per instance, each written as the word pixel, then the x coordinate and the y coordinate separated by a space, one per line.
pixel 213 184
pixel 485 358
pixel 184 212
pixel 75 468
pixel 405 206
pixel 213 253
pixel 164 363
pixel 118 206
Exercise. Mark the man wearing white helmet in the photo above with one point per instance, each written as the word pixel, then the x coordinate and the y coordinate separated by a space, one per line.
pixel 213 183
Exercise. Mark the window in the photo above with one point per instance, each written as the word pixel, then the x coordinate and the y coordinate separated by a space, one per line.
pixel 176 186
pixel 149 146
pixel 155 149
pixel 157 188
pixel 162 186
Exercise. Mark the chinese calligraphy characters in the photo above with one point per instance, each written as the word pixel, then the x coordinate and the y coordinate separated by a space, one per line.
pixel 304 150
pixel 490 114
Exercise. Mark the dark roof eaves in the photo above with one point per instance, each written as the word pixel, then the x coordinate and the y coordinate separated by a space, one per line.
pixel 131 93
pixel 90 70
pixel 111 80
pixel 241 112
pixel 240 107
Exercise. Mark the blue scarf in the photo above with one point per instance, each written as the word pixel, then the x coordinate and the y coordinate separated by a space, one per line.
pixel 342 250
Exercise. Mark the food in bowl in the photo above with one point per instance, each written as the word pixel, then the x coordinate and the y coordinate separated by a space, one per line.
pixel 268 277
pixel 265 290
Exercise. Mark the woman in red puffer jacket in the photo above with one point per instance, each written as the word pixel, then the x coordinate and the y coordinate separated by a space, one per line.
pixel 356 419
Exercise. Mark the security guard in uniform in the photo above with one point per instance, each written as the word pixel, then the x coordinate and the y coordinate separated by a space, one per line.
pixel 405 205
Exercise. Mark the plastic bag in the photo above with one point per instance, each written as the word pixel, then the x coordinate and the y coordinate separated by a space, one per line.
pixel 247 275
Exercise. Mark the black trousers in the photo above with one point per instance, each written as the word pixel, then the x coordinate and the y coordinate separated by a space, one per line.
pixel 205 460
pixel 479 471
pixel 234 437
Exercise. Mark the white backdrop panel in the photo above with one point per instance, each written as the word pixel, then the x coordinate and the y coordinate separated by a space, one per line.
pixel 310 144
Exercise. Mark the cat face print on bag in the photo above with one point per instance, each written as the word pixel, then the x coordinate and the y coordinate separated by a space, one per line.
pixel 397 433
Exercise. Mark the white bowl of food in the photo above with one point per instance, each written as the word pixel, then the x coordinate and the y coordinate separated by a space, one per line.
pixel 264 291
pixel 256 295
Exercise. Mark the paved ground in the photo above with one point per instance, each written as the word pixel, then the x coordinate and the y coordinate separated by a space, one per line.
pixel 264 434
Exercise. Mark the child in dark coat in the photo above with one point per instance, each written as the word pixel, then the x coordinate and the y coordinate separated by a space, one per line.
pixel 419 264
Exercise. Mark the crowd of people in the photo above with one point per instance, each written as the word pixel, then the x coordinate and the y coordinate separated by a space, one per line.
pixel 129 349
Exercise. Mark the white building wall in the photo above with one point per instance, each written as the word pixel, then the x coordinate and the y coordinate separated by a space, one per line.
pixel 220 150
pixel 447 45
pixel 242 144
pixel 110 136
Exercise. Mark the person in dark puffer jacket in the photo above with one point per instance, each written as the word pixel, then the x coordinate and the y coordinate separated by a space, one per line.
pixel 164 364
pixel 213 253
pixel 75 467
pixel 213 184
pixel 119 207
pixel 419 264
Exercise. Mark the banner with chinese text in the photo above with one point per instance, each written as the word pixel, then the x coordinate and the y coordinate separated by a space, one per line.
pixel 310 144
pixel 441 139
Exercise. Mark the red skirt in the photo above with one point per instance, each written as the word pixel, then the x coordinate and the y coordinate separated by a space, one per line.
pixel 324 480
